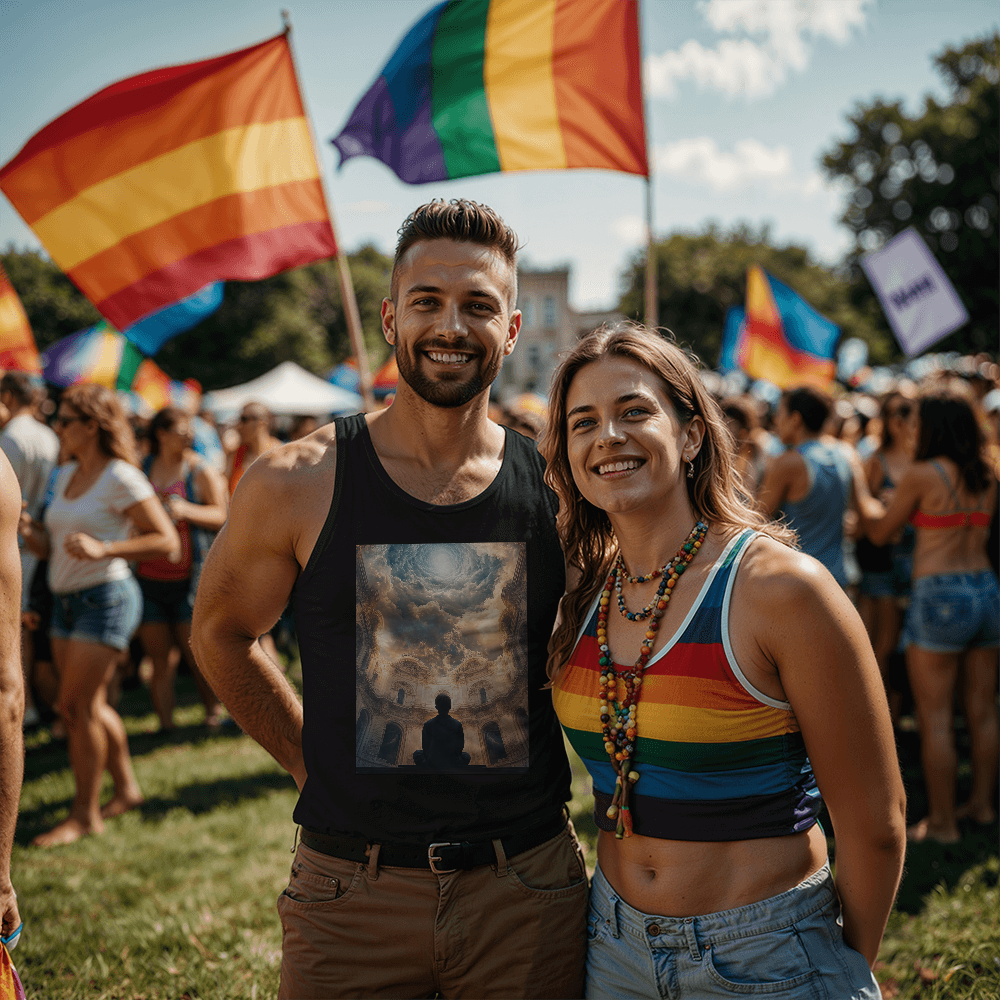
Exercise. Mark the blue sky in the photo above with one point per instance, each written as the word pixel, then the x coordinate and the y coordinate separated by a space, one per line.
pixel 742 98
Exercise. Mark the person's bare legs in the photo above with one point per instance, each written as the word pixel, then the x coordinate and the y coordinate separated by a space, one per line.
pixel 158 640
pixel 85 669
pixel 213 707
pixel 932 680
pixel 980 700
pixel 886 621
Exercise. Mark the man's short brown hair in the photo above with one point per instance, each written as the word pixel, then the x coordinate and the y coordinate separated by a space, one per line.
pixel 463 221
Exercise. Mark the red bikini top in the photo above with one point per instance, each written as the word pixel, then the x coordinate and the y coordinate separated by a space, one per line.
pixel 959 517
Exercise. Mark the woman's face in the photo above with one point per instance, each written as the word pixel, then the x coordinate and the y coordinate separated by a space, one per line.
pixel 177 438
pixel 71 429
pixel 626 447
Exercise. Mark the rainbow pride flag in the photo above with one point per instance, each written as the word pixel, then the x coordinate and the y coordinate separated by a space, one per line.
pixel 17 342
pixel 779 336
pixel 102 355
pixel 164 182
pixel 481 86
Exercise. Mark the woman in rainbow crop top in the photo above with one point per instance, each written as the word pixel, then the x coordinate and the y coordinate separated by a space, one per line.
pixel 949 496
pixel 733 678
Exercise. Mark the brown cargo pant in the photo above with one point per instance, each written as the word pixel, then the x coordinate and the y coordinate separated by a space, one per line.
pixel 512 929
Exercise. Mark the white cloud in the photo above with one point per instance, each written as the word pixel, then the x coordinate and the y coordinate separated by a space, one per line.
pixel 701 161
pixel 742 66
pixel 630 229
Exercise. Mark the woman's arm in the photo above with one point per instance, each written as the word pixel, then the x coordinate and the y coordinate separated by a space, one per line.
pixel 212 511
pixel 828 672
pixel 904 501
pixel 156 537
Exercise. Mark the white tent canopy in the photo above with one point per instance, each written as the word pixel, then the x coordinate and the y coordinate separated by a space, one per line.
pixel 287 389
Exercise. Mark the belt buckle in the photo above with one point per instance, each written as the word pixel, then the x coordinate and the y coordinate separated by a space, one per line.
pixel 432 858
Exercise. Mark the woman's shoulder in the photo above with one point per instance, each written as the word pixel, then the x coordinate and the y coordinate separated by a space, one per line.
pixel 774 575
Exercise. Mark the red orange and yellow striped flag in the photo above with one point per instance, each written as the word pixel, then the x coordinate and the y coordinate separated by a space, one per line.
pixel 17 342
pixel 166 181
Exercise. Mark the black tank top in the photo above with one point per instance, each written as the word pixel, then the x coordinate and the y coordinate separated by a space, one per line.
pixel 457 599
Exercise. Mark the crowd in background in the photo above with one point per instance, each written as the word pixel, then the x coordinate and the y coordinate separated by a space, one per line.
pixel 120 510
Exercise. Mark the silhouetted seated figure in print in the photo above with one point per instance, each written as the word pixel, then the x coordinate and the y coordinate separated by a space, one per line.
pixel 443 740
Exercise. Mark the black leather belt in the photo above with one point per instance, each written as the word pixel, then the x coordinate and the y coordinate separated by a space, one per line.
pixel 441 857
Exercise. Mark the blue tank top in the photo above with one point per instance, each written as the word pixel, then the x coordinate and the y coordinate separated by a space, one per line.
pixel 819 516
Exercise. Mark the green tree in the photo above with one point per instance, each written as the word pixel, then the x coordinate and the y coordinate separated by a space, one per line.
pixel 53 304
pixel 294 316
pixel 701 276
pixel 938 172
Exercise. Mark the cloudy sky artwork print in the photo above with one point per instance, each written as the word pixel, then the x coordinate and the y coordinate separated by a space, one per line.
pixel 442 618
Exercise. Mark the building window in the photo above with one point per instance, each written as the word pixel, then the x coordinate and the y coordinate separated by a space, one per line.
pixel 400 696
pixel 482 695
pixel 528 313
pixel 534 356
pixel 549 312
pixel 392 738
pixel 493 740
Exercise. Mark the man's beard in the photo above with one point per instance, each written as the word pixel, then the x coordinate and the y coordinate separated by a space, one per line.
pixel 444 392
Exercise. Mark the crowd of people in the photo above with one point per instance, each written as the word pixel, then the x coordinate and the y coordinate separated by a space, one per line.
pixel 731 606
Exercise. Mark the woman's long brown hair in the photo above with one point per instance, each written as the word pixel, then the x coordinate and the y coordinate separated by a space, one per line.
pixel 587 536
pixel 95 402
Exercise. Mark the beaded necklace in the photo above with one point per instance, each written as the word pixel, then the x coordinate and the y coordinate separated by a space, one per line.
pixel 620 692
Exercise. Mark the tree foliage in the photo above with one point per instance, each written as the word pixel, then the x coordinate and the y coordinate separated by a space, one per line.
pixel 939 172
pixel 294 316
pixel 701 276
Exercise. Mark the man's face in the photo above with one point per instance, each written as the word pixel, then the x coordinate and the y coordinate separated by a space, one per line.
pixel 451 322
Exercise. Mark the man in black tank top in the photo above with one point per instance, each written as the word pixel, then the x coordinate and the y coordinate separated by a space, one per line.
pixel 423 539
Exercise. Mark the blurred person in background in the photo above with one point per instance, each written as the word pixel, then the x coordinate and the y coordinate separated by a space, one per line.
pixel 11 692
pixel 301 426
pixel 886 570
pixel 949 495
pixel 194 495
pixel 254 428
pixel 99 497
pixel 741 419
pixel 815 481
pixel 32 449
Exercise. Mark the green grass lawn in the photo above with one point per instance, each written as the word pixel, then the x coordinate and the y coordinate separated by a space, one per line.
pixel 176 900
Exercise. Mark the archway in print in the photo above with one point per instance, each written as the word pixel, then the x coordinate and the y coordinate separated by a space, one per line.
pixel 493 740
pixel 392 739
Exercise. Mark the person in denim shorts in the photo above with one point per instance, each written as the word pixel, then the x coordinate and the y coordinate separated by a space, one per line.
pixel 715 682
pixel 949 496
pixel 194 495
pixel 99 497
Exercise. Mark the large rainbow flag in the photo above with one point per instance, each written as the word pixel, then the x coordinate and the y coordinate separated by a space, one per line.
pixel 480 86
pixel 17 342
pixel 779 336
pixel 164 182
pixel 102 355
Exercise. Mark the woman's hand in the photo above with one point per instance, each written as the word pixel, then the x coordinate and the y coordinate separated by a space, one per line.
pixel 80 545
pixel 177 507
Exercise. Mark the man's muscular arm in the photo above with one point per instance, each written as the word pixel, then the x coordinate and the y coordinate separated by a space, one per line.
pixel 244 587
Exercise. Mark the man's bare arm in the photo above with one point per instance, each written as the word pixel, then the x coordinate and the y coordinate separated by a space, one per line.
pixel 11 689
pixel 245 585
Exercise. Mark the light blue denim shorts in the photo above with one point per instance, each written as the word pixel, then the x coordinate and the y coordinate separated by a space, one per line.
pixel 108 613
pixel 952 612
pixel 788 946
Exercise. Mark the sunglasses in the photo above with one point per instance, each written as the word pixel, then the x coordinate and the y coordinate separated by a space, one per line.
pixel 61 421
pixel 902 411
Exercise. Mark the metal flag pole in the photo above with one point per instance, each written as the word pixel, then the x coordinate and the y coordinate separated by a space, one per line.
pixel 651 298
pixel 351 312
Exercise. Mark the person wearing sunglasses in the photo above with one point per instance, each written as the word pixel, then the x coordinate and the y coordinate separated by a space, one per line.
pixel 103 514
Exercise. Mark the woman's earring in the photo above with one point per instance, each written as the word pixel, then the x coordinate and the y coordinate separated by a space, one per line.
pixel 690 468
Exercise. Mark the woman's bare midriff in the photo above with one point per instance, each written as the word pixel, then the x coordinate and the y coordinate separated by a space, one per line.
pixel 680 878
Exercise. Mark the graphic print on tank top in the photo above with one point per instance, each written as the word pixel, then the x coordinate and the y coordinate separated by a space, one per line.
pixel 441 619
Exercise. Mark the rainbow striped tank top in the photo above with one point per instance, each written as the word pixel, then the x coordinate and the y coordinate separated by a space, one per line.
pixel 717 759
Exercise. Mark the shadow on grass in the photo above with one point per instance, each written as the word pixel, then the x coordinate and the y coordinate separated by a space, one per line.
pixel 197 798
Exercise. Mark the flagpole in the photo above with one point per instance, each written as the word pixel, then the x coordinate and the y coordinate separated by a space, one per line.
pixel 351 312
pixel 651 298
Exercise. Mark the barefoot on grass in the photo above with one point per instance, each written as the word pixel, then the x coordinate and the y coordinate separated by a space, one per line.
pixel 924 831
pixel 121 804
pixel 984 815
pixel 67 832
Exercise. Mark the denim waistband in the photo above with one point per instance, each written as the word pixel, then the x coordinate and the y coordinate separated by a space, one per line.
pixel 809 895
pixel 976 577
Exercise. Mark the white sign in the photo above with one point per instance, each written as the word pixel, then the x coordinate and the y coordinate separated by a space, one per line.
pixel 918 299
